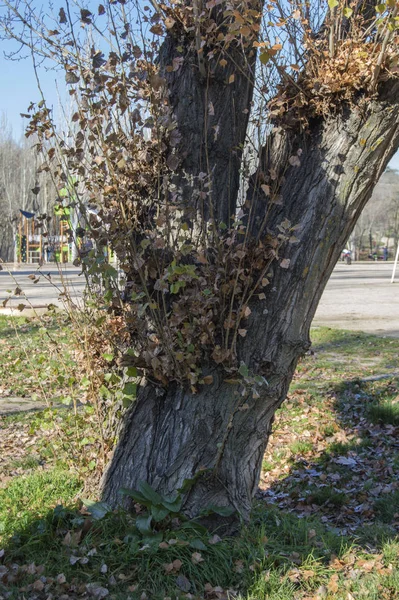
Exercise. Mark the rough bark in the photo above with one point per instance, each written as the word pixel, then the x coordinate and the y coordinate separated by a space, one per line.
pixel 171 437
pixel 210 104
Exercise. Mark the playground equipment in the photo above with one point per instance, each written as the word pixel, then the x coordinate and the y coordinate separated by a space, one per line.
pixel 35 246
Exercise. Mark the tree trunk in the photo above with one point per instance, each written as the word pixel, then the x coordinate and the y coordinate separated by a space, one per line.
pixel 174 436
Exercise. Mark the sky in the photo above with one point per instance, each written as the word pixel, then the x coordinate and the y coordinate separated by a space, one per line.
pixel 18 89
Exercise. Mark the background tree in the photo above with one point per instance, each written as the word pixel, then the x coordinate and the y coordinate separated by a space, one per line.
pixel 18 177
pixel 224 265
pixel 378 225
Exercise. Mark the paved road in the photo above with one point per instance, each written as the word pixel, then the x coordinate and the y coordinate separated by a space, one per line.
pixel 359 296
pixel 48 290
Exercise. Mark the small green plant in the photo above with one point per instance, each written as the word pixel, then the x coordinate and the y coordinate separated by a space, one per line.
pixel 301 447
pixel 26 463
pixel 267 465
pixel 386 412
pixel 158 514
pixel 324 495
pixel 387 507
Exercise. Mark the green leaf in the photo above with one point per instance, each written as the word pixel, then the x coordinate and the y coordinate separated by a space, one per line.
pixel 380 8
pixel 159 513
pixel 191 525
pixel 153 539
pixel 173 505
pixel 223 511
pixel 243 370
pixel 129 389
pixel 149 493
pixel 264 58
pixel 98 510
pixel 332 4
pixel 137 496
pixel 143 524
pixel 127 401
pixel 348 12
pixel 108 357
pixel 131 372
pixel 198 544
pixel 131 538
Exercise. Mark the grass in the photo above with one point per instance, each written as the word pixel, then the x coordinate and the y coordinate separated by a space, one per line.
pixel 26 498
pixel 324 526
pixel 387 508
pixel 34 356
pixel 387 413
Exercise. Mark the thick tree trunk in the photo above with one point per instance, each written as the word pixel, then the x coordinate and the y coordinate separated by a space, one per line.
pixel 172 437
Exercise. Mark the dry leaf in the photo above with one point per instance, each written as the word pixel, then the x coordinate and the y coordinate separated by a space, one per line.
pixel 196 558
pixel 333 584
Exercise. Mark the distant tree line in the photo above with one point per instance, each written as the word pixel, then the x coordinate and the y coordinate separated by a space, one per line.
pixel 20 186
pixel 378 225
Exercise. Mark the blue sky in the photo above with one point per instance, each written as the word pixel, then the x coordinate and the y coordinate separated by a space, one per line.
pixel 18 89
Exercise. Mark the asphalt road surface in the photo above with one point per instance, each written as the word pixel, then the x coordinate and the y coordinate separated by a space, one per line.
pixel 49 289
pixel 362 298
pixel 358 296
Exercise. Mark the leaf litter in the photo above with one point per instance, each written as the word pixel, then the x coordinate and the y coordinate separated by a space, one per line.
pixel 327 459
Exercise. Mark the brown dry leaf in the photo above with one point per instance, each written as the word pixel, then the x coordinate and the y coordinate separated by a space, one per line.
pixel 232 78
pixel 72 538
pixel 366 565
pixel 308 574
pixel 208 379
pixel 239 566
pixel 38 585
pixel 196 558
pixel 294 575
pixel 333 584
pixel 169 22
pixel 173 567
pixel 177 564
pixel 311 534
pixel 215 539
pixel 168 567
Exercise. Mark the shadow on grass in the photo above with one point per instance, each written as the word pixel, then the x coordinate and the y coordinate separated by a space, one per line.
pixel 351 486
pixel 327 517
pixel 69 551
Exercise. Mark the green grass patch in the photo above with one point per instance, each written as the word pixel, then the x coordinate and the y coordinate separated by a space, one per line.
pixel 327 495
pixel 26 498
pixel 387 507
pixel 387 413
pixel 35 355
pixel 301 447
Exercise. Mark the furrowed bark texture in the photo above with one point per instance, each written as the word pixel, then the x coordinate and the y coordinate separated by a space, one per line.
pixel 170 437
pixel 212 117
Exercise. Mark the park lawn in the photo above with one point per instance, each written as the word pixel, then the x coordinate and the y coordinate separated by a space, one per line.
pixel 324 525
pixel 35 356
